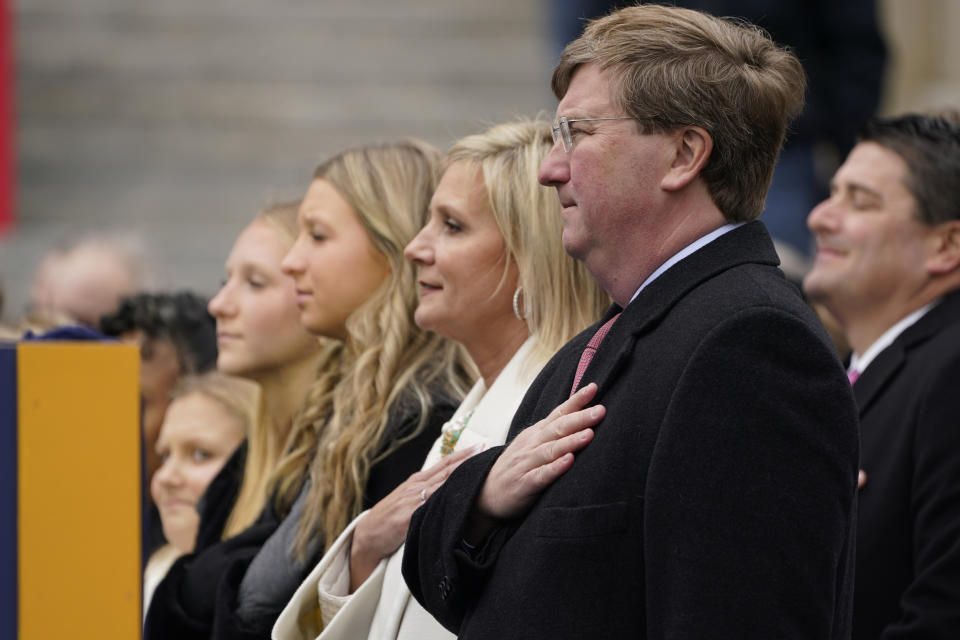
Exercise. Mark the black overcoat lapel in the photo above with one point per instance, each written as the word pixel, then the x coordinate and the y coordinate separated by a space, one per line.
pixel 643 314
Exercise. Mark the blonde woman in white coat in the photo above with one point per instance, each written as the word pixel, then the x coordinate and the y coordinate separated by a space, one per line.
pixel 493 276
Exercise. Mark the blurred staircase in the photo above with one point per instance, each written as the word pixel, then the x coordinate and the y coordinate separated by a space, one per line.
pixel 180 119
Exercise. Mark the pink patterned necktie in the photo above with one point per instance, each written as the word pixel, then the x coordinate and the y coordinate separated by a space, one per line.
pixel 853 375
pixel 591 349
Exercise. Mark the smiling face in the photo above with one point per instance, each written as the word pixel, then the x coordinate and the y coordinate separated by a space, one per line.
pixel 197 437
pixel 466 285
pixel 258 323
pixel 871 248
pixel 334 264
pixel 609 183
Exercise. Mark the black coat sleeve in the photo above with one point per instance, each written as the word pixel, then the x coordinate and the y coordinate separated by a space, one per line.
pixel 441 574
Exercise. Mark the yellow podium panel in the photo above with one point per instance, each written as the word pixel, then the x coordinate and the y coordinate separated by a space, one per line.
pixel 79 491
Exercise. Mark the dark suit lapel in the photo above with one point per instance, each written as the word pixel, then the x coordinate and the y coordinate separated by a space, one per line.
pixel 875 377
pixel 878 374
pixel 748 244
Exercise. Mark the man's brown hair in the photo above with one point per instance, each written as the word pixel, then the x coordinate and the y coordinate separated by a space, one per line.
pixel 676 67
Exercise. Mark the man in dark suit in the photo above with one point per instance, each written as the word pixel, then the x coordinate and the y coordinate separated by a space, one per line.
pixel 888 268
pixel 709 490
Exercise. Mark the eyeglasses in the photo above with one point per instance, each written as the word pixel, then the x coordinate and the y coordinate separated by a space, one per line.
pixel 561 130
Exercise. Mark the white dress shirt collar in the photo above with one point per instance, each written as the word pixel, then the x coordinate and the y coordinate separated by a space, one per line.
pixel 700 242
pixel 859 363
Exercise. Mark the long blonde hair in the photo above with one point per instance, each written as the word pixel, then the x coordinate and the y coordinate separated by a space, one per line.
pixel 265 443
pixel 558 297
pixel 387 364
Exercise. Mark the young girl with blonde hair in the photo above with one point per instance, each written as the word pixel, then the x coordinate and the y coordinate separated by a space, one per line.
pixel 208 417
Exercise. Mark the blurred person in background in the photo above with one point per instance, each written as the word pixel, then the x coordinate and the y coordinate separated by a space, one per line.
pixel 367 423
pixel 83 281
pixel 176 336
pixel 493 276
pixel 208 417
pixel 888 269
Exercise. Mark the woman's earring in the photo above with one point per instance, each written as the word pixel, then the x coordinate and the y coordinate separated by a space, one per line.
pixel 516 304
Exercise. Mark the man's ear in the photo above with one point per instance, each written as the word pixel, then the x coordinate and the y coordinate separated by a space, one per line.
pixel 946 255
pixel 693 147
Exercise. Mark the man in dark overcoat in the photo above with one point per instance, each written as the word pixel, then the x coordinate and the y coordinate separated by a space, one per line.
pixel 686 468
